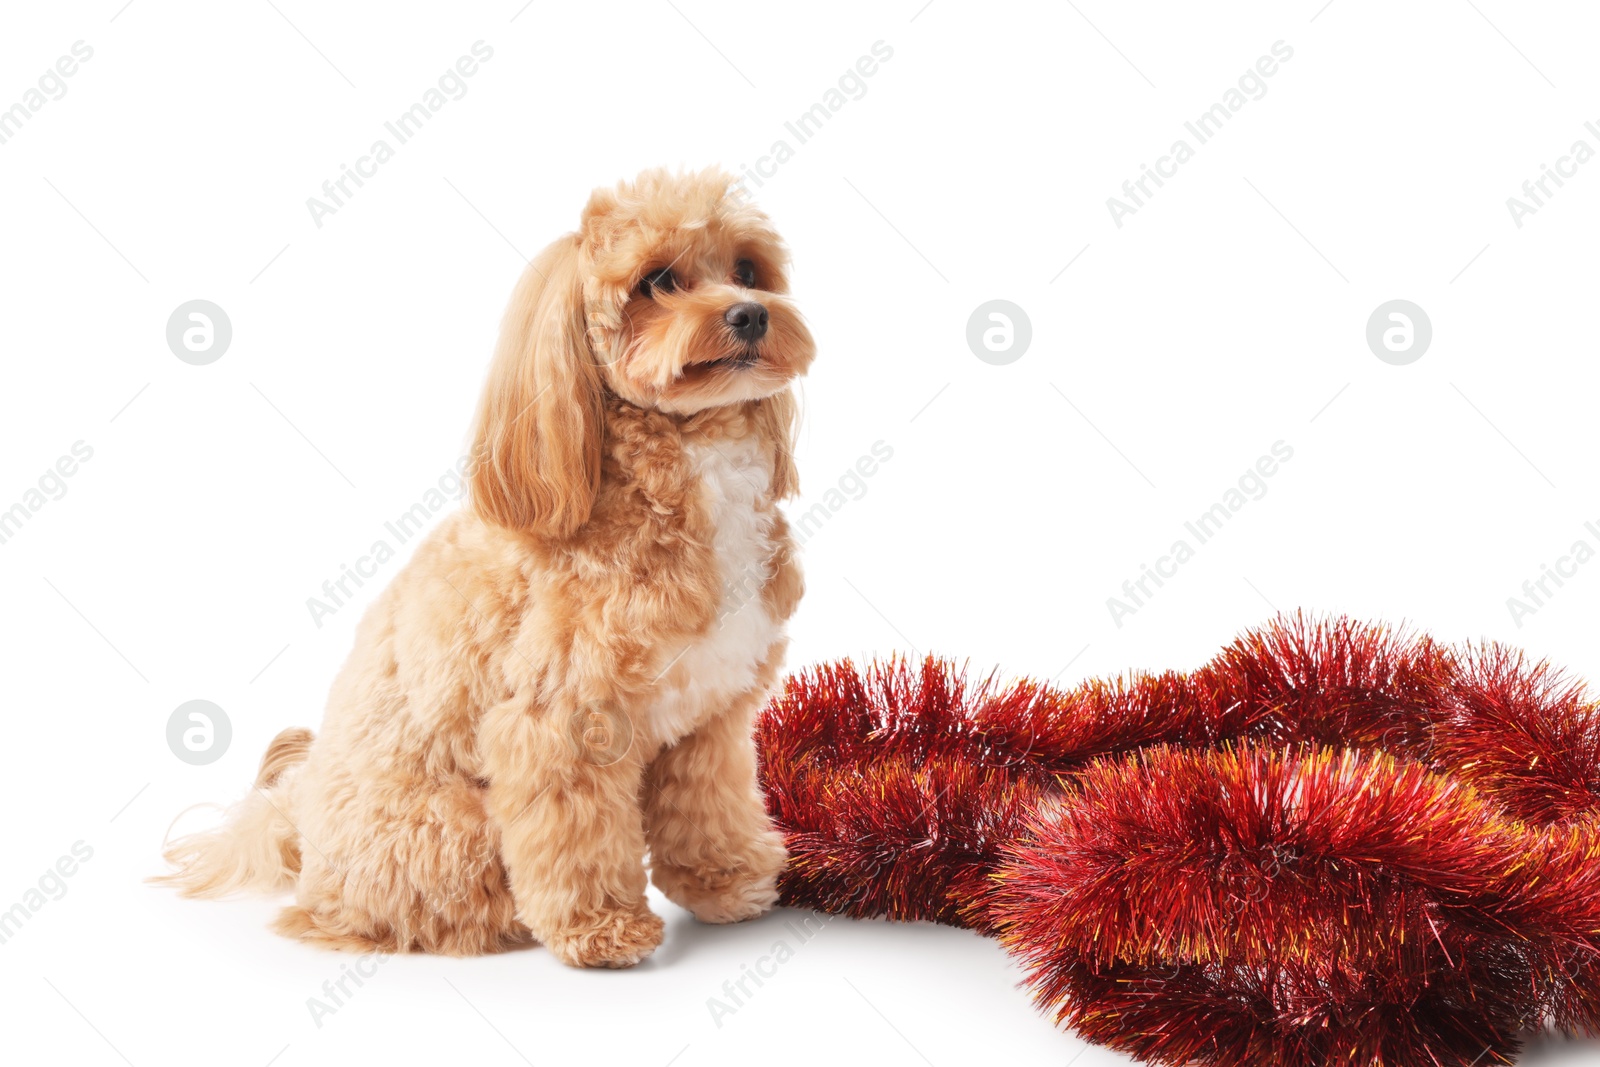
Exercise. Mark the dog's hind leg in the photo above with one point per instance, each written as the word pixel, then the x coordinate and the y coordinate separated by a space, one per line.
pixel 423 874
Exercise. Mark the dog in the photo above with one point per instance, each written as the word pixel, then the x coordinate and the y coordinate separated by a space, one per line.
pixel 558 690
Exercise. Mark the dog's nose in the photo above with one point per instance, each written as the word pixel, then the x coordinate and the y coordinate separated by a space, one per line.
pixel 749 320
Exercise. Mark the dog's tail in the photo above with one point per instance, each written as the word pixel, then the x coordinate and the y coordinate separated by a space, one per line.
pixel 256 847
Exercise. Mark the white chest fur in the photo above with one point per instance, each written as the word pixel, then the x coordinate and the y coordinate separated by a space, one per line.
pixel 699 678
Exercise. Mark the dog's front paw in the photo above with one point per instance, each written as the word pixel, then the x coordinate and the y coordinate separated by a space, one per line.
pixel 620 939
pixel 729 898
pixel 716 895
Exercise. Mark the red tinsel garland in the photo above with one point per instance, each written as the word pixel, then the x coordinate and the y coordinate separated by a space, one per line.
pixel 1335 843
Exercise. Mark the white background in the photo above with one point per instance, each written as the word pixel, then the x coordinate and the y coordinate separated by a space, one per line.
pixel 1227 314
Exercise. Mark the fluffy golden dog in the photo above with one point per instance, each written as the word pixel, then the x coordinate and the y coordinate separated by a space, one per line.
pixel 562 680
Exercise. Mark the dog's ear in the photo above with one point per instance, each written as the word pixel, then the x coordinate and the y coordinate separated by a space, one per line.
pixel 536 448
pixel 778 419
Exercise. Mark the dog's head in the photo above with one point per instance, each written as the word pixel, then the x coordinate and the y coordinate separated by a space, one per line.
pixel 672 296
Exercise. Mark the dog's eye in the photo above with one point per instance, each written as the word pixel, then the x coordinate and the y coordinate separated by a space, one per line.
pixel 744 272
pixel 657 279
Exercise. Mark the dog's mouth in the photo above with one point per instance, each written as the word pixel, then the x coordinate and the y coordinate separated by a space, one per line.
pixel 740 360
